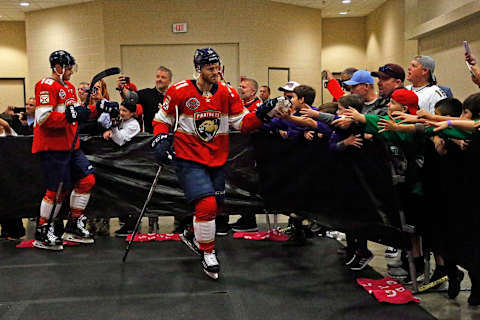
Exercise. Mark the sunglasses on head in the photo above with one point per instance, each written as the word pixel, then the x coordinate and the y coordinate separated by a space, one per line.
pixel 385 68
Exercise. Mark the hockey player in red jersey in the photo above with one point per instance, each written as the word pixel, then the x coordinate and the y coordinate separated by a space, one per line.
pixel 206 110
pixel 56 121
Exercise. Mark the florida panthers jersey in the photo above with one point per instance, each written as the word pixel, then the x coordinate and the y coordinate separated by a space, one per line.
pixel 204 121
pixel 253 105
pixel 51 130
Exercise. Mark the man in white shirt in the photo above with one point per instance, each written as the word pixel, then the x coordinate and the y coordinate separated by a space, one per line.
pixel 424 83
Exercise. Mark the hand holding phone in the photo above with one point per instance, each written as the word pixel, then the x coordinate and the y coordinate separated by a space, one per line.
pixel 467 47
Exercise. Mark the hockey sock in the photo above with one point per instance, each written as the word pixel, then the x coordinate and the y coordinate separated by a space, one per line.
pixel 47 205
pixel 204 223
pixel 80 195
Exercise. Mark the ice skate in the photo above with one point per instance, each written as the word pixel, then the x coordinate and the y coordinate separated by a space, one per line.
pixel 188 238
pixel 210 265
pixel 46 239
pixel 76 231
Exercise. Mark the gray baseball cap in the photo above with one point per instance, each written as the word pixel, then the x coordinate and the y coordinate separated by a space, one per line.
pixel 428 63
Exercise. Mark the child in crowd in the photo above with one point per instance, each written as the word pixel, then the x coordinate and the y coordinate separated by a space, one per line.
pixel 354 160
pixel 455 221
pixel 128 126
pixel 291 125
pixel 329 107
pixel 406 159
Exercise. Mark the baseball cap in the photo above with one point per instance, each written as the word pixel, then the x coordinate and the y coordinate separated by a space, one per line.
pixel 289 86
pixel 390 70
pixel 130 101
pixel 428 63
pixel 407 98
pixel 361 76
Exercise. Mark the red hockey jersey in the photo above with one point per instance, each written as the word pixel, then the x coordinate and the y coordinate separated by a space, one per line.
pixel 203 124
pixel 253 105
pixel 51 130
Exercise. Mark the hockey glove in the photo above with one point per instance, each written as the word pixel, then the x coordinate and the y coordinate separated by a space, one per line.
pixel 109 107
pixel 77 113
pixel 267 110
pixel 162 148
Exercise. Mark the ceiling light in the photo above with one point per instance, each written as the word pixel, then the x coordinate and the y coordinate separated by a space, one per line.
pixel 24 4
pixel 343 12
pixel 346 1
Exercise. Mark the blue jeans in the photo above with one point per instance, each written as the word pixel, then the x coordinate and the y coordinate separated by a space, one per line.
pixel 200 181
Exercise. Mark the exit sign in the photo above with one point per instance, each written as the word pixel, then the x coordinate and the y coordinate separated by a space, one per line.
pixel 180 27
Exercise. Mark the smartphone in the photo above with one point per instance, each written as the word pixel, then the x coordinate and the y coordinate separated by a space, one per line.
pixel 127 80
pixel 467 47
pixel 18 110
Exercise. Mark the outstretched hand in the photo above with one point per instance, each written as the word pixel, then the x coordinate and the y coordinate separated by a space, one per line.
pixel 424 114
pixel 353 140
pixel 308 113
pixel 387 124
pixel 439 126
pixel 342 122
pixel 353 114
pixel 405 117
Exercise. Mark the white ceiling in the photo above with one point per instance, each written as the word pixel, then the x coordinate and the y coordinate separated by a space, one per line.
pixel 10 10
pixel 331 8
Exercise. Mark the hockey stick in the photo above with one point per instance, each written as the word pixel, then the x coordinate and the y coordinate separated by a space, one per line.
pixel 432 284
pixel 99 76
pixel 149 196
pixel 142 213
pixel 225 82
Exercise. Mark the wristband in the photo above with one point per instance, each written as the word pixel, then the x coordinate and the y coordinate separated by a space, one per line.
pixel 449 123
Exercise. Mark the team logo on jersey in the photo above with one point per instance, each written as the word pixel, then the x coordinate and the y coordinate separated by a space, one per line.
pixel 44 97
pixel 192 104
pixel 207 124
pixel 70 102
pixel 166 103
pixel 62 94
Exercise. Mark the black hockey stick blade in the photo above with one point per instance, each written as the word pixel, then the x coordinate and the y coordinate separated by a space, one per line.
pixel 99 76
pixel 105 73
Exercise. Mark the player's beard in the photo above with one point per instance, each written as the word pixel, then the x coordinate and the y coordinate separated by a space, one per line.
pixel 209 79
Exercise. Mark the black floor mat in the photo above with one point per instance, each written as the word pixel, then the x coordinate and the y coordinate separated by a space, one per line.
pixel 259 280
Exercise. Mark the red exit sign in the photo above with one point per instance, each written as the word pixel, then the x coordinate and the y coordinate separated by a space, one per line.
pixel 180 27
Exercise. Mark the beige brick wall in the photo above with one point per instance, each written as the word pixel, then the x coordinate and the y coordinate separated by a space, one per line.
pixel 13 62
pixel 77 29
pixel 268 33
pixel 343 45
pixel 385 35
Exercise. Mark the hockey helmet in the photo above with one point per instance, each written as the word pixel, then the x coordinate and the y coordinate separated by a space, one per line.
pixel 62 58
pixel 205 56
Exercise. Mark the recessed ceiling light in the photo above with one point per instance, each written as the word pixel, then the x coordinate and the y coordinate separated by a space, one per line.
pixel 343 12
pixel 346 1
pixel 24 4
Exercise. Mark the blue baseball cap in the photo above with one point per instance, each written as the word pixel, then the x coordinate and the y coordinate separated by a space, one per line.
pixel 360 76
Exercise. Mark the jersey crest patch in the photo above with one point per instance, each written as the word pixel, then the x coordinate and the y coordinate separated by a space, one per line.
pixel 166 103
pixel 44 97
pixel 207 124
pixel 62 94
pixel 192 104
